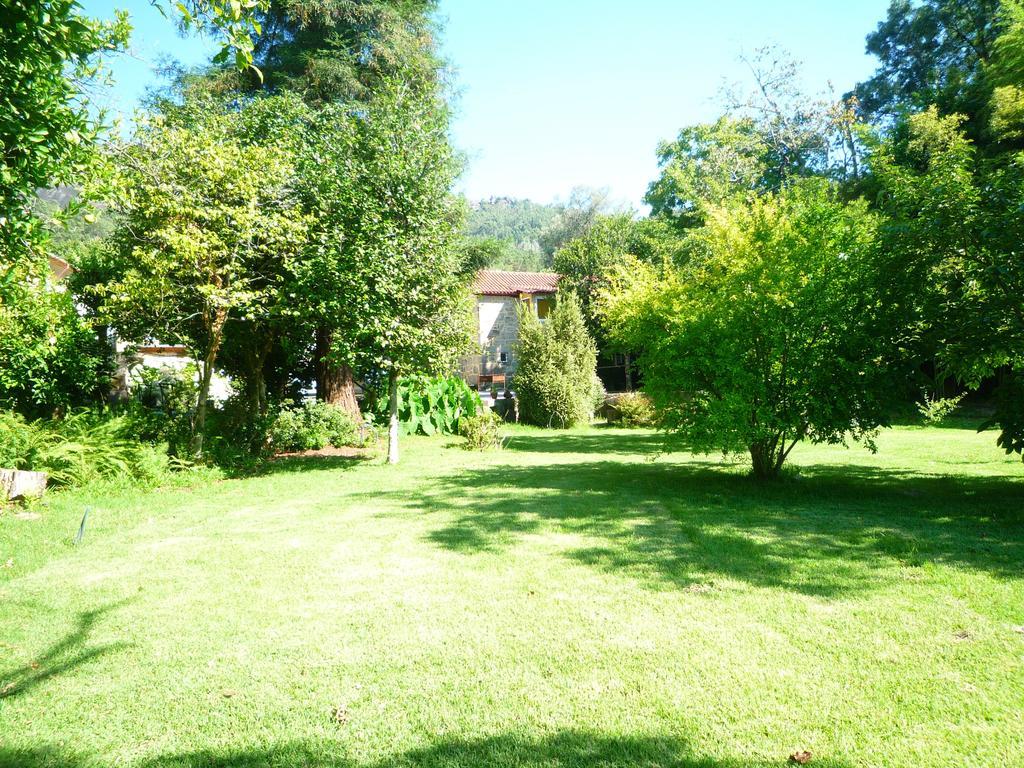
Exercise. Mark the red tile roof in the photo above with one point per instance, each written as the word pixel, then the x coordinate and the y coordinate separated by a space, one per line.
pixel 495 282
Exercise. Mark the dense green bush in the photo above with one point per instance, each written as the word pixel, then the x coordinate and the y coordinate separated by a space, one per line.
pixel 482 431
pixel 161 406
pixel 50 359
pixel 557 362
pixel 633 409
pixel 311 426
pixel 430 406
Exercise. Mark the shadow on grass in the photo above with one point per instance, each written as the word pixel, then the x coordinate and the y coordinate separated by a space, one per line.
pixel 68 653
pixel 831 531
pixel 604 440
pixel 566 749
pixel 283 465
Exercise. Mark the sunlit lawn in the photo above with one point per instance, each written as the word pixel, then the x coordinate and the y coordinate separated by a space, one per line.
pixel 577 599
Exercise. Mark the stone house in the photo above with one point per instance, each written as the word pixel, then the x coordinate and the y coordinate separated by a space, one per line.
pixel 499 294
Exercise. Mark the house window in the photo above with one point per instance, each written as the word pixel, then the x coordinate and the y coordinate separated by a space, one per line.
pixel 544 307
pixel 619 360
pixel 503 357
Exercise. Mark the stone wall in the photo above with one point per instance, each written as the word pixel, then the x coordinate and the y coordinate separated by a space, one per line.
pixel 497 325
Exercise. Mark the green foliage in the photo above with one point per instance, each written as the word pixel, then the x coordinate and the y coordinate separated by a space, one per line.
pixel 554 382
pixel 954 231
pixel 1006 72
pixel 1009 413
pixel 598 395
pixel 493 253
pixel 81 448
pixel 705 165
pixel 50 358
pixel 433 406
pixel 482 431
pixel 518 225
pixel 19 441
pixel 207 229
pixel 633 409
pixel 384 272
pixel 311 426
pixel 933 53
pixel 162 406
pixel 934 410
pixel 340 50
pixel 771 333
pixel 49 52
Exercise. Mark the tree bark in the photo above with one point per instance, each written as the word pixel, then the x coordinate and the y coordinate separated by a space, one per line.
pixel 393 417
pixel 629 372
pixel 335 384
pixel 766 462
pixel 209 360
pixel 256 380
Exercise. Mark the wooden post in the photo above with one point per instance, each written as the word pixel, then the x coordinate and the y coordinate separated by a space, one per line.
pixel 393 423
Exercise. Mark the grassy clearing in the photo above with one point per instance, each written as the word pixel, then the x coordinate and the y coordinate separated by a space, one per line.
pixel 579 599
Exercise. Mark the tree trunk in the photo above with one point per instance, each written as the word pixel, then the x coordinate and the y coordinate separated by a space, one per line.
pixel 629 372
pixel 335 384
pixel 393 417
pixel 256 380
pixel 766 463
pixel 199 422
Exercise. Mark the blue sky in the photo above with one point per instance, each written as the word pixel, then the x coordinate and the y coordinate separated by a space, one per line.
pixel 558 93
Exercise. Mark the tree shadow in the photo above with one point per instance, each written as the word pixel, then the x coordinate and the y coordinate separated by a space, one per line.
pixel 65 654
pixel 830 531
pixel 285 465
pixel 606 441
pixel 564 749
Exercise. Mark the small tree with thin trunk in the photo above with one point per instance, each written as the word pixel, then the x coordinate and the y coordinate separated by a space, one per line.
pixel 384 273
pixel 203 220
pixel 770 334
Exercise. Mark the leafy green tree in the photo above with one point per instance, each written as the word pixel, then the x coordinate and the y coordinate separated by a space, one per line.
pixel 329 53
pixel 705 165
pixel 554 381
pixel 770 333
pixel 385 272
pixel 933 52
pixel 48 52
pixel 584 262
pixel 955 231
pixel 51 359
pixel 204 223
pixel 575 218
pixel 1006 73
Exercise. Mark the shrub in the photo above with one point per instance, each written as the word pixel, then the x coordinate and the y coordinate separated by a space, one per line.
pixel 80 448
pixel 311 426
pixel 482 431
pixel 430 406
pixel 634 409
pixel 557 360
pixel 597 396
pixel 934 410
pixel 50 359
pixel 161 406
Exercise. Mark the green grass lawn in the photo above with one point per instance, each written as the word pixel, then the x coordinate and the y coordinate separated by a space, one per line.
pixel 579 599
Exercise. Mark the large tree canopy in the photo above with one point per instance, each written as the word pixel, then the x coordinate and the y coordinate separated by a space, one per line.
pixel 770 333
pixel 933 52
